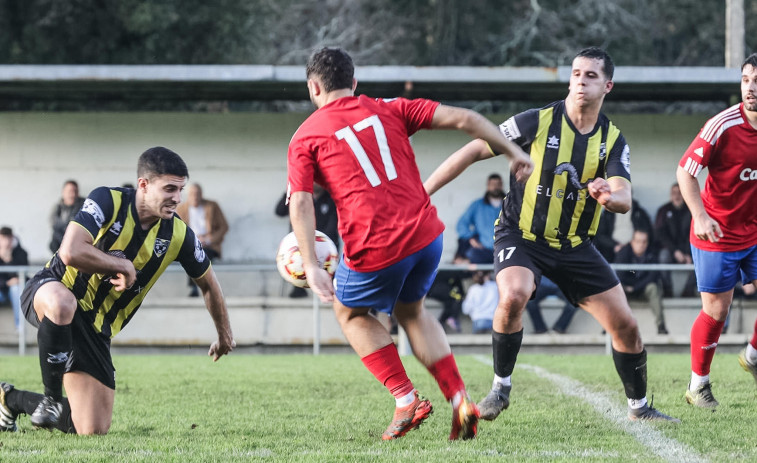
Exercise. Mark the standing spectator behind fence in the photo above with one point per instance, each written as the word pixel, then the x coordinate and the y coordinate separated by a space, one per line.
pixel 615 230
pixel 642 284
pixel 65 210
pixel 481 302
pixel 672 226
pixel 326 221
pixel 545 289
pixel 475 228
pixel 207 221
pixel 11 253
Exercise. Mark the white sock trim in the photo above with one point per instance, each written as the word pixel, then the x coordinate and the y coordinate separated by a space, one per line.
pixel 500 380
pixel 637 403
pixel 751 354
pixel 698 381
pixel 405 400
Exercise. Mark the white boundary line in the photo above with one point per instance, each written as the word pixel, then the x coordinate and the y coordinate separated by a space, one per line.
pixel 662 446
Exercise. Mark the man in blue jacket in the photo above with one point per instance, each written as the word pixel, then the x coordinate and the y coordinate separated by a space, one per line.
pixel 475 228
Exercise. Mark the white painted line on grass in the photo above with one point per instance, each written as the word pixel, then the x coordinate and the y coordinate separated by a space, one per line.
pixel 661 445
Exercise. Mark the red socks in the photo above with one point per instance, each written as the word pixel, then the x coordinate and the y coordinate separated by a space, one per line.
pixel 704 339
pixel 386 366
pixel 753 342
pixel 447 376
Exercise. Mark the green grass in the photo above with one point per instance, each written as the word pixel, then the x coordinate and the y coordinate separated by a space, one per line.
pixel 329 408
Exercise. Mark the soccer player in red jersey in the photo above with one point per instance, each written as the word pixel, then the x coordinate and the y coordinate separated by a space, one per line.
pixel 724 226
pixel 358 149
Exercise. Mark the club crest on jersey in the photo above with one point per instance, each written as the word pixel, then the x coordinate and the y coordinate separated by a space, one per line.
pixel 199 251
pixel 161 246
pixel 93 209
pixel 553 142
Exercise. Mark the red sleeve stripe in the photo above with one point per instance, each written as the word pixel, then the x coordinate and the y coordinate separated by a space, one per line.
pixel 720 123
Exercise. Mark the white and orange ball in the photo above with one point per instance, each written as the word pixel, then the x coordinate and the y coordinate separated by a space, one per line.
pixel 289 258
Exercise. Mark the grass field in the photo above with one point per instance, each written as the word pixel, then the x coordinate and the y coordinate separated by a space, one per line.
pixel 328 408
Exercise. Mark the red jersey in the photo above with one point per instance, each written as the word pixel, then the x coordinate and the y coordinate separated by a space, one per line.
pixel 727 146
pixel 358 149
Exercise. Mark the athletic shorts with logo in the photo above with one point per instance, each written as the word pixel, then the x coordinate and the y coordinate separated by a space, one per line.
pixel 91 351
pixel 579 272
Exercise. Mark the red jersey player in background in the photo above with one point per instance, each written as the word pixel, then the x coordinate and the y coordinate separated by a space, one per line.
pixel 724 226
pixel 358 149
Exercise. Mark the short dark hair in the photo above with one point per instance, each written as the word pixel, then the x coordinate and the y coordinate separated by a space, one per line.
pixel 71 182
pixel 608 67
pixel 333 67
pixel 6 231
pixel 161 161
pixel 494 177
pixel 751 59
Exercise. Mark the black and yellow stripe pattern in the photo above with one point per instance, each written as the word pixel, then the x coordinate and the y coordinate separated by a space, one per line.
pixel 554 205
pixel 150 250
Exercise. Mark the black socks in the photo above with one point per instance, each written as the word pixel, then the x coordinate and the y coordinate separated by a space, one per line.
pixel 632 369
pixel 55 347
pixel 506 348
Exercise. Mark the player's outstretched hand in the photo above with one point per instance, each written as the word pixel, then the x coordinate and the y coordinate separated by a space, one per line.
pixel 706 228
pixel 522 166
pixel 223 346
pixel 321 283
pixel 600 190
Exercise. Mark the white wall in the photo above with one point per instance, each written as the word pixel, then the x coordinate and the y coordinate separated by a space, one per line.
pixel 240 159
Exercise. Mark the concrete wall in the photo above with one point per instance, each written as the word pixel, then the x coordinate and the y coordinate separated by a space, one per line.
pixel 240 159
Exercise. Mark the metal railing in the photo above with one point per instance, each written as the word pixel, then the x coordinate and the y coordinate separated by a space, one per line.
pixel 24 271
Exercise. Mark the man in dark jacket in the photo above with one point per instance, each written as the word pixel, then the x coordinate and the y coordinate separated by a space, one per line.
pixel 11 253
pixel 642 284
pixel 672 226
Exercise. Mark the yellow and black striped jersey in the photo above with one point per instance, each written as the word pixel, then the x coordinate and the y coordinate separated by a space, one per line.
pixel 554 205
pixel 110 216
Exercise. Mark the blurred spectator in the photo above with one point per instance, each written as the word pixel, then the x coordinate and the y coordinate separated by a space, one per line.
pixel 672 226
pixel 480 302
pixel 11 253
pixel 326 221
pixel 475 228
pixel 448 289
pixel 65 210
pixel 207 221
pixel 615 230
pixel 548 288
pixel 642 284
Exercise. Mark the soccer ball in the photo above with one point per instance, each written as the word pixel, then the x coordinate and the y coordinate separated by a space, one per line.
pixel 289 259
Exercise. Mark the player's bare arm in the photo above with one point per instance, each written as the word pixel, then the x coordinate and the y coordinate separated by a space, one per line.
pixel 614 194
pixel 78 251
pixel 302 215
pixel 705 227
pixel 216 304
pixel 477 126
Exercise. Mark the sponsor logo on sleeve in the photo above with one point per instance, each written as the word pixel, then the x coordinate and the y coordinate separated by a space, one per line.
pixel 625 159
pixel 510 129
pixel 93 209
pixel 199 251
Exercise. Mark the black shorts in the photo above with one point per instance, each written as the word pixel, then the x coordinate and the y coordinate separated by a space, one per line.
pixel 91 350
pixel 579 272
